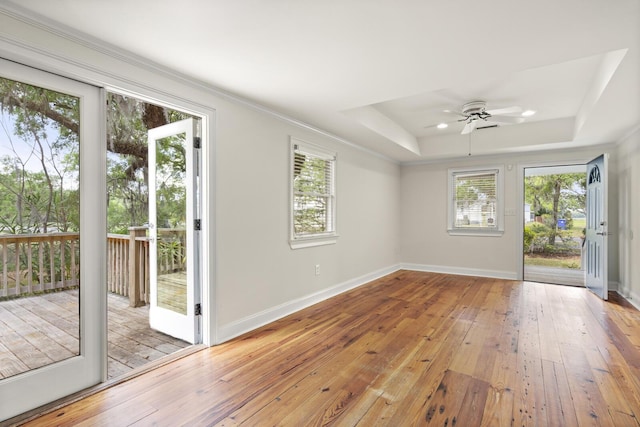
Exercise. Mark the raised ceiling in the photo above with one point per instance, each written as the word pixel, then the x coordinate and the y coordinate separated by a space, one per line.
pixel 380 73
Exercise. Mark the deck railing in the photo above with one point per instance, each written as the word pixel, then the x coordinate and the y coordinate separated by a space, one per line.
pixel 38 262
pixel 34 263
pixel 128 265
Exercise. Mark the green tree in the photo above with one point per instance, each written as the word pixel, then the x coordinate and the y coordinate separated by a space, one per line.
pixel 36 114
pixel 40 176
pixel 558 194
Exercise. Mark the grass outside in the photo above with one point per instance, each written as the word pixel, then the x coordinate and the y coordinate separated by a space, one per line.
pixel 572 262
pixel 579 224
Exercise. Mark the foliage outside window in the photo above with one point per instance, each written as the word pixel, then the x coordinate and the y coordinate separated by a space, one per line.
pixel 550 228
pixel 475 201
pixel 39 160
pixel 312 195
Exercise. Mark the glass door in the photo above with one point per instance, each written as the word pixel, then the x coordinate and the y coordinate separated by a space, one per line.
pixel 174 229
pixel 52 228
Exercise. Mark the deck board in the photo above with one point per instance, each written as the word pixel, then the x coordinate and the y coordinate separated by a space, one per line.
pixel 39 330
pixel 172 291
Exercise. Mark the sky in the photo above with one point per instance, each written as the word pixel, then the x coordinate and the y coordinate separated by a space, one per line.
pixel 15 147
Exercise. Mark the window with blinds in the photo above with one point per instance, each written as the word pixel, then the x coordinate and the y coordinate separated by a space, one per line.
pixel 475 200
pixel 312 192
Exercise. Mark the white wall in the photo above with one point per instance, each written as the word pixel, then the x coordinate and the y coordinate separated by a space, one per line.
pixel 425 243
pixel 257 270
pixel 629 217
pixel 252 275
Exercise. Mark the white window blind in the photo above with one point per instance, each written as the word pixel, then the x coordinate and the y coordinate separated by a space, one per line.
pixel 475 200
pixel 313 192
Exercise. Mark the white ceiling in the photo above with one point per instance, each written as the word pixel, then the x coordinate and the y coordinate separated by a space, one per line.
pixel 379 73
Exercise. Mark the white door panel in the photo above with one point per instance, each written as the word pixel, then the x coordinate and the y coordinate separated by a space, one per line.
pixel 597 230
pixel 174 266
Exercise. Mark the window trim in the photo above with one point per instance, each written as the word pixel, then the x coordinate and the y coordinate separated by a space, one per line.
pixel 319 239
pixel 451 211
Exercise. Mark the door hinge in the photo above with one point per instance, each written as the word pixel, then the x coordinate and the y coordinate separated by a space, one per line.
pixel 197 142
pixel 197 224
pixel 198 310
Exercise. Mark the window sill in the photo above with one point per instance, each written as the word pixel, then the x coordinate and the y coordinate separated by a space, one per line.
pixel 476 232
pixel 308 242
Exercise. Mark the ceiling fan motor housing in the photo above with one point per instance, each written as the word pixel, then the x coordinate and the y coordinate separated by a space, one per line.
pixel 474 108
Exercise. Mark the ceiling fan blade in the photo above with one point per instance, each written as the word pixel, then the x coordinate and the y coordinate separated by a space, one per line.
pixel 469 127
pixel 507 110
pixel 457 113
pixel 505 119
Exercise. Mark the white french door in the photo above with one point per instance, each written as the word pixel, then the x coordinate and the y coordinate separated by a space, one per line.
pixel 58 123
pixel 597 227
pixel 174 173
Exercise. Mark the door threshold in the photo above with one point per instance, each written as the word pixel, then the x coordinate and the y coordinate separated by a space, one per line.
pixel 72 398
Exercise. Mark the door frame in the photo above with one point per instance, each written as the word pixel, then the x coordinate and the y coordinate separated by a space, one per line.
pixel 520 199
pixel 207 242
pixel 25 51
pixel 48 48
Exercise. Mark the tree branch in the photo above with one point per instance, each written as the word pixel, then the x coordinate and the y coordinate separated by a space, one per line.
pixel 10 100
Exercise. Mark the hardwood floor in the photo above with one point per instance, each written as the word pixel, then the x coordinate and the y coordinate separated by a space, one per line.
pixel 408 349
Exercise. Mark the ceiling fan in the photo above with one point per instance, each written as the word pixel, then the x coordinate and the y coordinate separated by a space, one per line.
pixel 475 114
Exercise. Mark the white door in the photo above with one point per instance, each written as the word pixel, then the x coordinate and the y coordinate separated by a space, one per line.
pixel 173 220
pixel 597 227
pixel 52 137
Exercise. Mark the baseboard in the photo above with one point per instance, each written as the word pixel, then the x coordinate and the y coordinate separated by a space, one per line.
pixel 633 298
pixel 613 286
pixel 463 271
pixel 249 323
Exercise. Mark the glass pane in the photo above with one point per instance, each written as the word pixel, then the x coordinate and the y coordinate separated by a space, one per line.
pixel 171 218
pixel 312 185
pixel 476 202
pixel 39 227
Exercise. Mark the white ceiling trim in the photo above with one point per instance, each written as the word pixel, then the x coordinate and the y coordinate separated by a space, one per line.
pixel 607 68
pixel 373 119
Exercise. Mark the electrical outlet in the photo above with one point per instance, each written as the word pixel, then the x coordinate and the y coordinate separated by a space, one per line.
pixel 317 269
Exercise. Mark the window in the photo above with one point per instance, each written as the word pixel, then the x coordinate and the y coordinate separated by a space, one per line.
pixel 313 200
pixel 475 201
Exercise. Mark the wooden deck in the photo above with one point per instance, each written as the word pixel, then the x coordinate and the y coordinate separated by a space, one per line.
pixel 408 349
pixel 37 331
pixel 172 291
